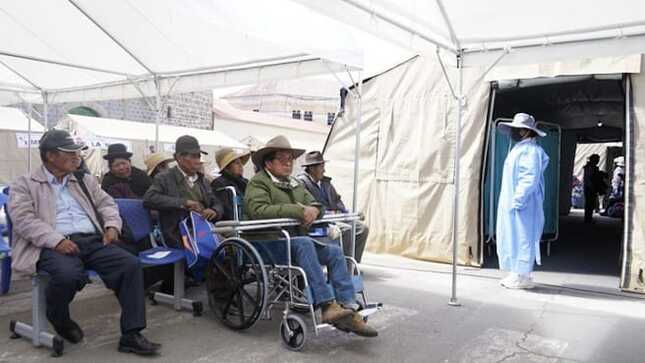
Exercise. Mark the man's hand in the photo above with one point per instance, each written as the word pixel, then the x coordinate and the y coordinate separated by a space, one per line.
pixel 310 215
pixel 67 247
pixel 194 206
pixel 110 235
pixel 209 214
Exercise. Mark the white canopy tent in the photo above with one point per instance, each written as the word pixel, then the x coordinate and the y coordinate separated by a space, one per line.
pixel 484 35
pixel 74 50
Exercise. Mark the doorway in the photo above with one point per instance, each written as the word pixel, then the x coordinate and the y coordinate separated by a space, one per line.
pixel 587 113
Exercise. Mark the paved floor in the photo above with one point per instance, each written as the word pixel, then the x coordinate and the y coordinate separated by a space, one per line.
pixel 562 320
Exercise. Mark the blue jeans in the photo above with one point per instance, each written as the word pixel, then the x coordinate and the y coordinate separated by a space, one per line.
pixel 310 256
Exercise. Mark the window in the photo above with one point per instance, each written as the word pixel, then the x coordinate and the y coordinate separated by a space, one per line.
pixel 330 118
pixel 83 111
pixel 295 114
pixel 309 116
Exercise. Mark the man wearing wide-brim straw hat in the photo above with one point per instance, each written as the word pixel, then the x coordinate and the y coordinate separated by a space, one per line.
pixel 520 217
pixel 231 166
pixel 320 186
pixel 273 193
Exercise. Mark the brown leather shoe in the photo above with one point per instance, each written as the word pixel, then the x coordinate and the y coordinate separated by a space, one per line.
pixel 355 324
pixel 333 312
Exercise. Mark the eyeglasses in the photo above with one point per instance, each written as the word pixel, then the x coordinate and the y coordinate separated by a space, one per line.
pixel 284 159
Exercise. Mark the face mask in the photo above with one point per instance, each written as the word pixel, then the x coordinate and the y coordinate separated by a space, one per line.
pixel 516 135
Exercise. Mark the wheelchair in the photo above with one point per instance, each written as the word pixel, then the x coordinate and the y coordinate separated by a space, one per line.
pixel 245 279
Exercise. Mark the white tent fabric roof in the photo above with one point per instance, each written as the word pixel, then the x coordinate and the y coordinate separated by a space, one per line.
pixel 15 120
pixel 84 49
pixel 120 129
pixel 548 27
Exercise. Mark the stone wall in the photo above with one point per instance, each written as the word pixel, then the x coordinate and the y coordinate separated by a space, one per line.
pixel 193 109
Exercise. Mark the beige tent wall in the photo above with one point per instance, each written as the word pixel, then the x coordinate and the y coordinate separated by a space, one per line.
pixel 406 161
pixel 407 138
pixel 635 271
pixel 13 160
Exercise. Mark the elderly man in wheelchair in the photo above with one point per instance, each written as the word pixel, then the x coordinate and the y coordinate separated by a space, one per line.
pixel 271 194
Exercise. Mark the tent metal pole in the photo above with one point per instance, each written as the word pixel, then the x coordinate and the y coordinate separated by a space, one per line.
pixel 158 121
pixel 29 138
pixel 357 145
pixel 45 110
pixel 455 217
pixel 627 147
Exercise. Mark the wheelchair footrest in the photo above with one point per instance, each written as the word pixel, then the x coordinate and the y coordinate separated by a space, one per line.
pixel 370 309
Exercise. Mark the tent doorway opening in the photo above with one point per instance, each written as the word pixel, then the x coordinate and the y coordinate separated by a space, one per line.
pixel 582 115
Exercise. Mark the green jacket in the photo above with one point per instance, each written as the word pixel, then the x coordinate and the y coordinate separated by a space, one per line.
pixel 266 199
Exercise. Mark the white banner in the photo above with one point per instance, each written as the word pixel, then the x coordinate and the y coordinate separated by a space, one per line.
pixel 94 143
pixel 103 143
pixel 22 139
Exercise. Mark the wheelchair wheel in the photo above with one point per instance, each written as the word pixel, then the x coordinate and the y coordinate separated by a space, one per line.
pixel 237 284
pixel 293 332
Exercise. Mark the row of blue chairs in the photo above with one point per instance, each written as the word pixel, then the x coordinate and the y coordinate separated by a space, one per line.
pixel 139 221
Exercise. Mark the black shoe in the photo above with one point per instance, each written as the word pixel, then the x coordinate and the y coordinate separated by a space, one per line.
pixel 70 331
pixel 138 344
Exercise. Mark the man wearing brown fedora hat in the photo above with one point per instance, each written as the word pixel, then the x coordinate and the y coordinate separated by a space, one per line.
pixel 320 186
pixel 274 193
pixel 181 189
pixel 231 166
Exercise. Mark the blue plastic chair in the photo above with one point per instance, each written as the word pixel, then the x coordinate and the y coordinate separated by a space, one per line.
pixel 5 249
pixel 138 219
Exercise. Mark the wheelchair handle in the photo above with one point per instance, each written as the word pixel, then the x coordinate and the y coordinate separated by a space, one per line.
pixel 259 224
pixel 236 206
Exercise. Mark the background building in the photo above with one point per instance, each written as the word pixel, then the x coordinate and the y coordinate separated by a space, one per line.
pixel 312 100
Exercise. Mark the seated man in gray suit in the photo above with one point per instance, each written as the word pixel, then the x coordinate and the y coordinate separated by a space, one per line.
pixel 319 185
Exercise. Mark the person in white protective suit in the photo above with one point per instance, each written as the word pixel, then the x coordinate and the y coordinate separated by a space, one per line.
pixel 520 217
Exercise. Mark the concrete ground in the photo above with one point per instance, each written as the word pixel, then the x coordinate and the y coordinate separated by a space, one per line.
pixel 570 316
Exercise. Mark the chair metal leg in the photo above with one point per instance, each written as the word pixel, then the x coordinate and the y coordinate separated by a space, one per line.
pixel 37 332
pixel 177 300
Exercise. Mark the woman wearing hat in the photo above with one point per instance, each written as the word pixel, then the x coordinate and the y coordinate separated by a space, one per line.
pixel 157 163
pixel 124 180
pixel 231 165
pixel 520 217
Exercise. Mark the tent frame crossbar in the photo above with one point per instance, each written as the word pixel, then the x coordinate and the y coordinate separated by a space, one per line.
pixel 64 64
pixel 451 29
pixel 401 26
pixel 619 27
pixel 111 36
pixel 22 76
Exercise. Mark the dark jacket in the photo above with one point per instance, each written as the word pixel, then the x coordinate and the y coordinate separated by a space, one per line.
pixel 133 187
pixel 167 195
pixel 326 194
pixel 225 196
pixel 266 199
